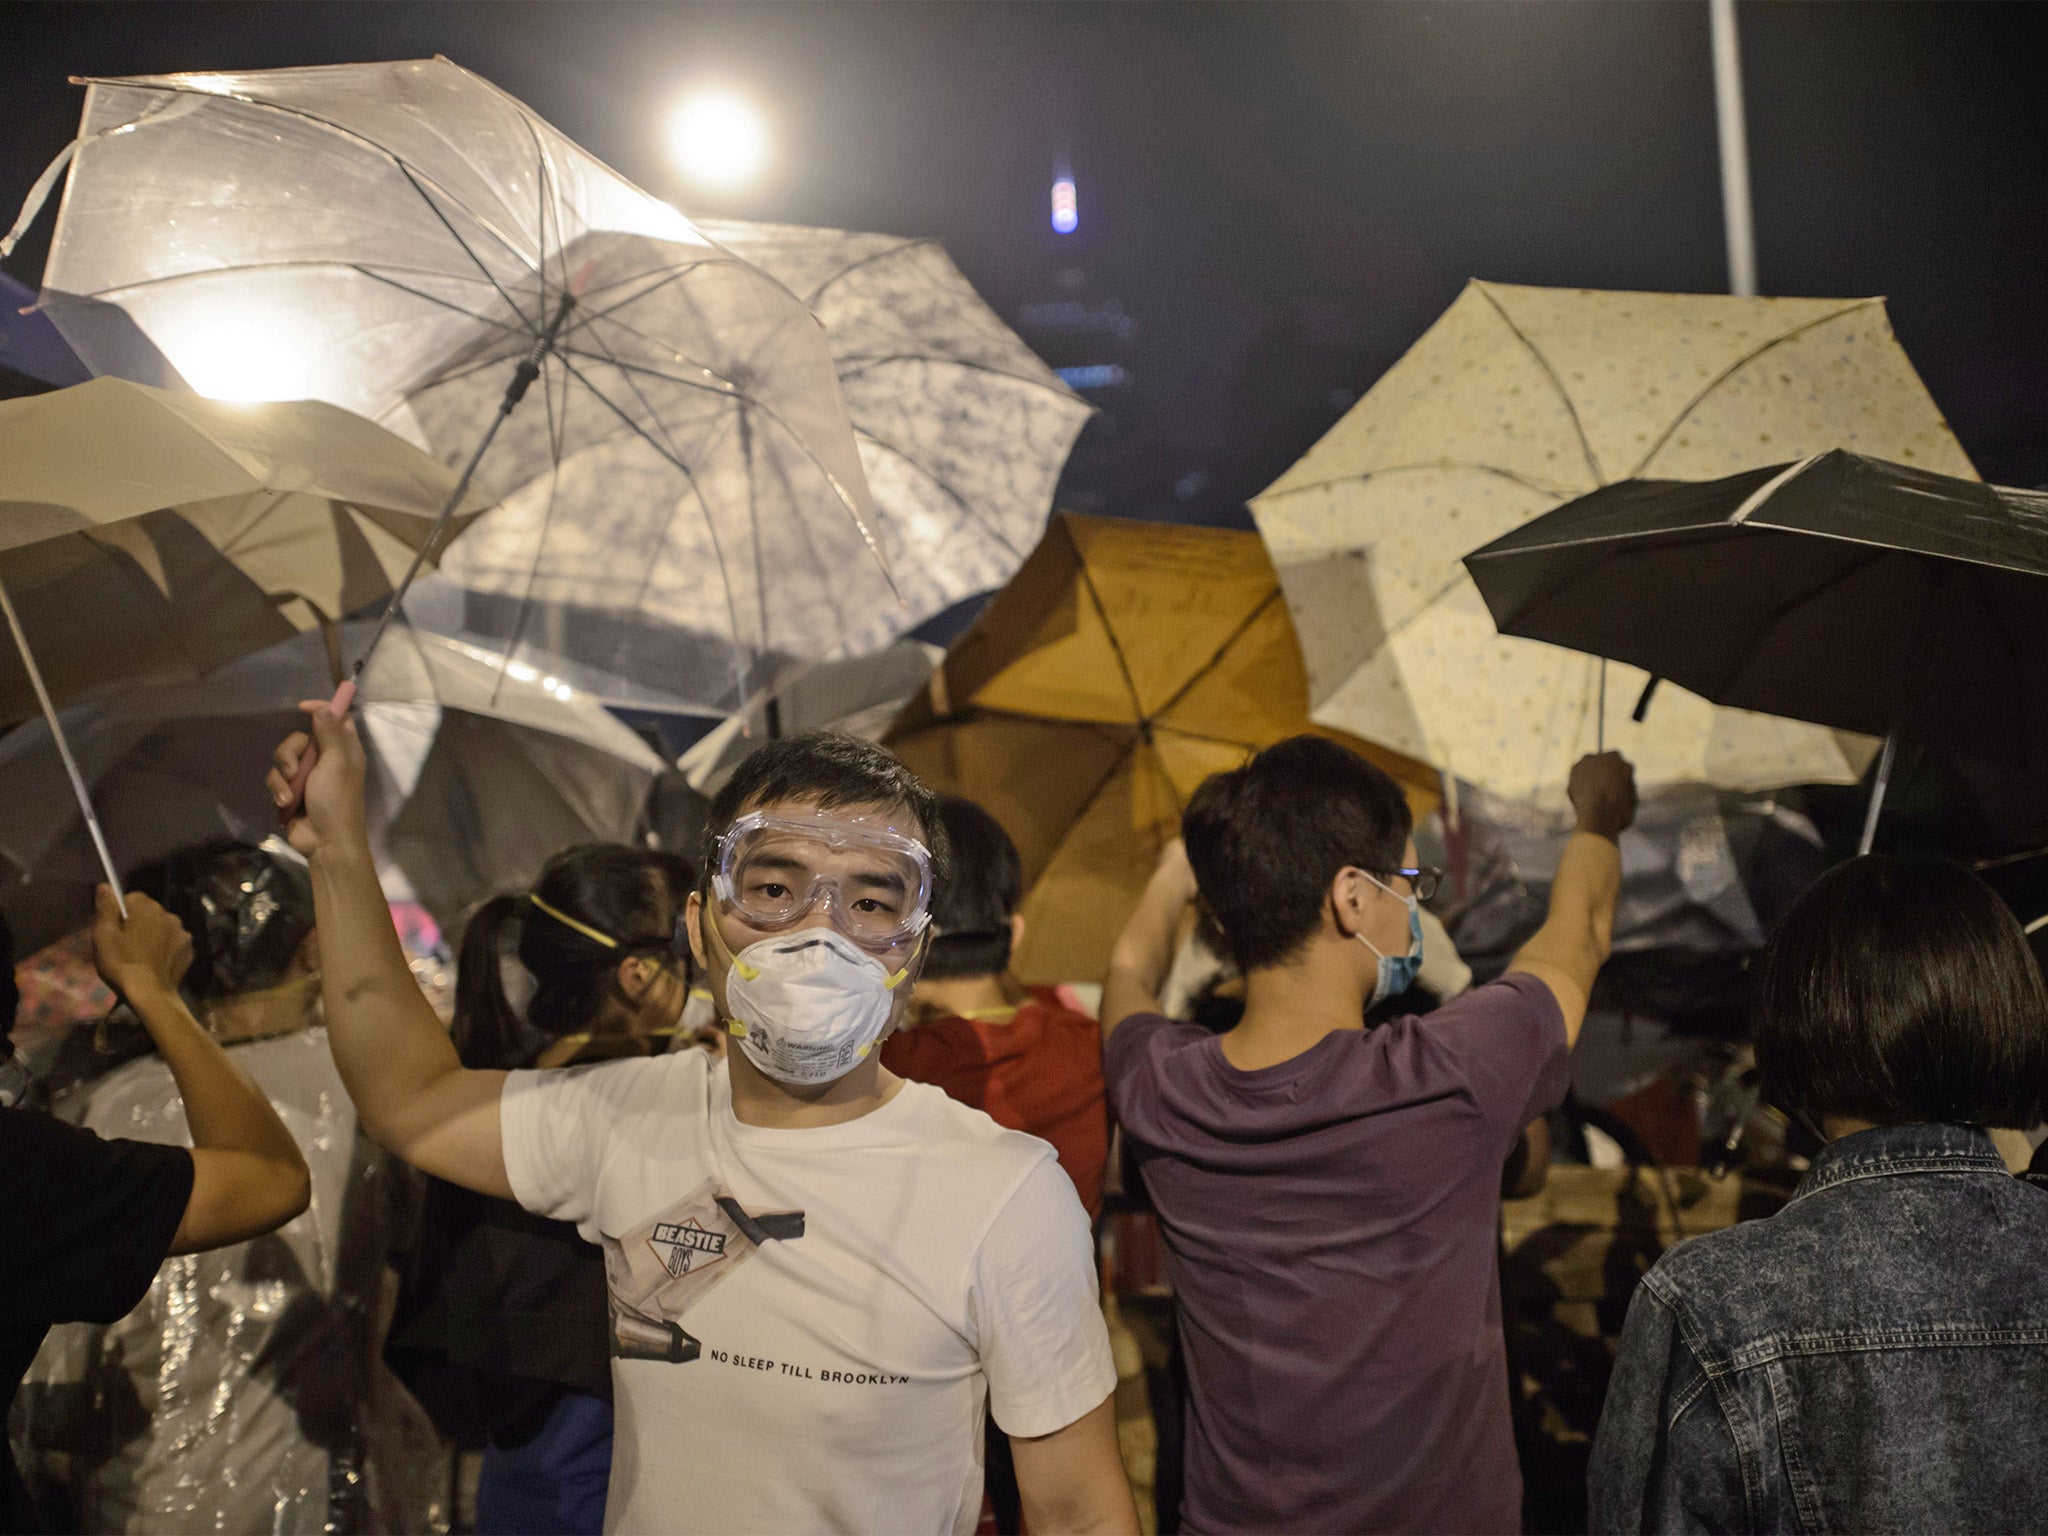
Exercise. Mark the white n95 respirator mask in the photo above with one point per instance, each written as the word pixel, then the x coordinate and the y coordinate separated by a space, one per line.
pixel 807 1007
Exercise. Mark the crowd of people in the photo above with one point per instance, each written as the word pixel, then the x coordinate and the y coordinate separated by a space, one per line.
pixel 758 1193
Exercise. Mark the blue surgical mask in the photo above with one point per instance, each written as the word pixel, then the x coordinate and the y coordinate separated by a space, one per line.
pixel 1396 972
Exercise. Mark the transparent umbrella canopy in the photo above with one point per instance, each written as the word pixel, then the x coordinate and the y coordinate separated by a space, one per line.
pixel 963 429
pixel 683 507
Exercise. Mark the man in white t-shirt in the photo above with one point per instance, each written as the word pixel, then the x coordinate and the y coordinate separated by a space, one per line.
pixel 820 1275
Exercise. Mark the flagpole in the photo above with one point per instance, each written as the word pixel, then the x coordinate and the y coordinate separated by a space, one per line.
pixel 1728 114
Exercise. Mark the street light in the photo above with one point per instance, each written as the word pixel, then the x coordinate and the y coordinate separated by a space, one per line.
pixel 717 139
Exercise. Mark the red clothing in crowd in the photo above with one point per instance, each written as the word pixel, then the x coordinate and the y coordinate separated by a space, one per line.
pixel 1037 1070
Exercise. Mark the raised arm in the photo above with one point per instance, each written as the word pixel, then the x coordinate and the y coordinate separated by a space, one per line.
pixel 412 1091
pixel 248 1176
pixel 1567 952
pixel 1143 955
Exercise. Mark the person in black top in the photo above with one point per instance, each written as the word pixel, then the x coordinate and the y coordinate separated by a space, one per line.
pixel 84 1222
pixel 502 1329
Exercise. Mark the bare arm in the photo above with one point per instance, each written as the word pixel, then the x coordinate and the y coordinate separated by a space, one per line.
pixel 1143 955
pixel 412 1091
pixel 1567 952
pixel 1072 1480
pixel 248 1177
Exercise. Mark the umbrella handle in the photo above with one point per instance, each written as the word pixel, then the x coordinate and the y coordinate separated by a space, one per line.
pixel 338 706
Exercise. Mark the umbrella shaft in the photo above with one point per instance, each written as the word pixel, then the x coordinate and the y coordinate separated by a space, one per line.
pixel 92 820
pixel 1877 789
pixel 522 379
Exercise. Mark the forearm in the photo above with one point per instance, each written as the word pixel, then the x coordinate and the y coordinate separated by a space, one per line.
pixel 1072 1482
pixel 390 1048
pixel 1579 930
pixel 224 1109
pixel 1143 955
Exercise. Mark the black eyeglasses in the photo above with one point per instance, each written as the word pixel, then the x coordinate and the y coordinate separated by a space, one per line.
pixel 1423 881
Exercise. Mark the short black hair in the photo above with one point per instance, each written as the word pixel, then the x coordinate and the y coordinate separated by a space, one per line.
pixel 971 910
pixel 833 771
pixel 1266 840
pixel 1900 990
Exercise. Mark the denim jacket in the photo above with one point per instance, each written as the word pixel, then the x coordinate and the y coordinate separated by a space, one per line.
pixel 1873 1357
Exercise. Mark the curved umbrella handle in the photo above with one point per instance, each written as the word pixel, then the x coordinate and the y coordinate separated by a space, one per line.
pixel 344 696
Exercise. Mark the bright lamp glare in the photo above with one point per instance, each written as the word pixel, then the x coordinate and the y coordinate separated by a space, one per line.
pixel 240 355
pixel 1066 208
pixel 718 140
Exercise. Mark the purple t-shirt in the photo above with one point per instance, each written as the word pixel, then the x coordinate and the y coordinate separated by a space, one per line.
pixel 1332 1225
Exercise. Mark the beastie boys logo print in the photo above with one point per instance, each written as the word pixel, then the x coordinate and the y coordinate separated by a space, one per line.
pixel 660 1269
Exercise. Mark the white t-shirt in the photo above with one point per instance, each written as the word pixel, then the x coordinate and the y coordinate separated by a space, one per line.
pixel 807 1323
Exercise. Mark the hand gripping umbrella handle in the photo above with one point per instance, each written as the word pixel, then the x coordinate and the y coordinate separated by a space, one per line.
pixel 338 706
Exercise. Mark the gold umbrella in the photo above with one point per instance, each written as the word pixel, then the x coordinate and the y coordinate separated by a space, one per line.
pixel 1515 401
pixel 149 537
pixel 1125 663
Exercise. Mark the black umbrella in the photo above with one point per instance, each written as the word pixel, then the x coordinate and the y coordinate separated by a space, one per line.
pixel 1844 590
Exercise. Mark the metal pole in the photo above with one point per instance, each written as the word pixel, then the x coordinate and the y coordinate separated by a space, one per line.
pixel 1877 788
pixel 92 820
pixel 1735 208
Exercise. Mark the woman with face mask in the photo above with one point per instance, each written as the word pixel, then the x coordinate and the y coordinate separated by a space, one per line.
pixel 502 1328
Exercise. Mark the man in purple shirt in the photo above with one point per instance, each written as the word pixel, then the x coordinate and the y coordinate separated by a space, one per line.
pixel 1330 1195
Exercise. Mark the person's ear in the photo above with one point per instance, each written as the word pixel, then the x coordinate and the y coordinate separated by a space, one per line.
pixel 1350 900
pixel 693 917
pixel 1016 935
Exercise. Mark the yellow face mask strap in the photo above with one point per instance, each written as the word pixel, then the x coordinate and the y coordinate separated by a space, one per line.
pixel 569 922
pixel 710 919
pixel 923 938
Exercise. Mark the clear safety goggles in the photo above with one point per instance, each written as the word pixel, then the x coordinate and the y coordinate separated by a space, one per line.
pixel 874 883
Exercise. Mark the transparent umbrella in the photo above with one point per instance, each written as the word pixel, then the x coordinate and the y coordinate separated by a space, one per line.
pixel 684 508
pixel 963 429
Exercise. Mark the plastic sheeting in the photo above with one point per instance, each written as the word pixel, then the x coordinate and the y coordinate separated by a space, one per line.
pixel 1704 876
pixel 247 1391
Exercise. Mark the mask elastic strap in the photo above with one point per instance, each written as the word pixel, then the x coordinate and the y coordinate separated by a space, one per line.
pixel 747 972
pixel 896 980
pixel 571 923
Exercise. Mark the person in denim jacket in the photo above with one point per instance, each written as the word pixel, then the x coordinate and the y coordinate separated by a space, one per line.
pixel 1874 1357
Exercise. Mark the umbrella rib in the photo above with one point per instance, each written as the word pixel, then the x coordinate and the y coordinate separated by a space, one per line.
pixel 1556 492
pixel 1571 410
pixel 866 261
pixel 803 529
pixel 1222 650
pixel 696 491
pixel 739 645
pixel 407 172
pixel 541 198
pixel 1116 648
pixel 432 298
pixel 557 430
pixel 845 498
pixel 958 500
pixel 1735 367
pixel 674 272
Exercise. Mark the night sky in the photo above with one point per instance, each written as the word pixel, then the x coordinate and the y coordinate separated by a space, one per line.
pixel 1281 197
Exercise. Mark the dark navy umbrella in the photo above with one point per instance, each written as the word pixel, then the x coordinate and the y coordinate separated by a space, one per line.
pixel 1844 590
